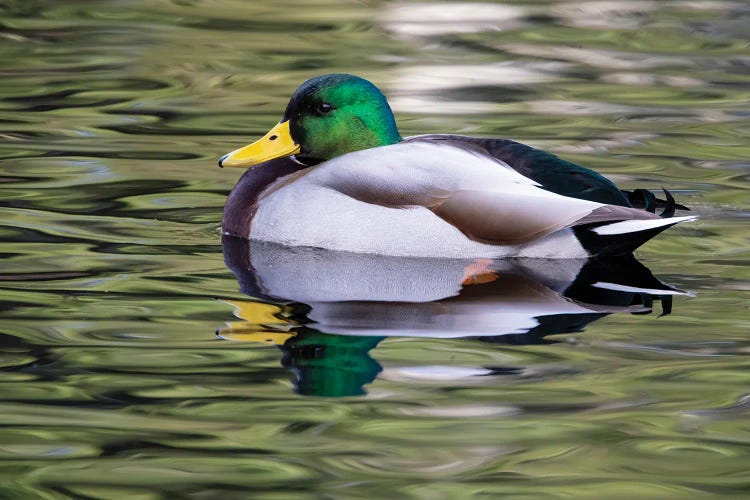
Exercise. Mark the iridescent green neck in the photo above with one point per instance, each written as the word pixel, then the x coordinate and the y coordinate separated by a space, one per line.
pixel 359 118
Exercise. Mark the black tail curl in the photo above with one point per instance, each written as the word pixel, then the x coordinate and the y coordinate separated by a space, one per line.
pixel 646 200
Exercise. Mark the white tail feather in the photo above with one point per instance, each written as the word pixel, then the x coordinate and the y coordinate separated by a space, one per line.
pixel 633 289
pixel 634 226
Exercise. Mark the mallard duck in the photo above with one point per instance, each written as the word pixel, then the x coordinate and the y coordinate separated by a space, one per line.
pixel 335 173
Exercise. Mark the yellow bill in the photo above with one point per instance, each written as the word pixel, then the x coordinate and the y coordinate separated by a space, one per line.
pixel 277 143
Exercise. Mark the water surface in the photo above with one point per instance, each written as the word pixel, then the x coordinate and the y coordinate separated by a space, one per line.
pixel 114 282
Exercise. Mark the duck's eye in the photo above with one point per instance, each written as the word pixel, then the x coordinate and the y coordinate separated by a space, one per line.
pixel 324 108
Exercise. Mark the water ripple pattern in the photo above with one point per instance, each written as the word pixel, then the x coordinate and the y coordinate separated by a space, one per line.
pixel 115 383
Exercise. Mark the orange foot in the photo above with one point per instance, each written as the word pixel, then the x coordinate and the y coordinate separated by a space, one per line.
pixel 479 272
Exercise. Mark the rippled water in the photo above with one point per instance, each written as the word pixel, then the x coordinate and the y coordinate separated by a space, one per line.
pixel 116 383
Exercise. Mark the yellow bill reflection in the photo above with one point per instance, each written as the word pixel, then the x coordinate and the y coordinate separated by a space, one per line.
pixel 261 322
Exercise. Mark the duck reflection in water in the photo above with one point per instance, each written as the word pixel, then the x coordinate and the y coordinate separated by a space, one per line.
pixel 327 310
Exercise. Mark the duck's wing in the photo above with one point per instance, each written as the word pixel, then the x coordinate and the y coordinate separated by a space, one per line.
pixel 550 172
pixel 480 195
pixel 522 217
pixel 561 176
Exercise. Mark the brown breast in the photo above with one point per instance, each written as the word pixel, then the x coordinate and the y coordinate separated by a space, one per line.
pixel 241 204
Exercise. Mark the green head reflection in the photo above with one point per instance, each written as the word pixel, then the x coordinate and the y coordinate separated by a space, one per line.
pixel 330 365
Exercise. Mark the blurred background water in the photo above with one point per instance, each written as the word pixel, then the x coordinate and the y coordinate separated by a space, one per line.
pixel 114 383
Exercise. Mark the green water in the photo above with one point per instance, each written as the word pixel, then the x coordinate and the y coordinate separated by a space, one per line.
pixel 114 383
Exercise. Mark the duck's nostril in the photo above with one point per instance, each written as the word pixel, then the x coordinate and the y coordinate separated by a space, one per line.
pixel 273 137
pixel 221 160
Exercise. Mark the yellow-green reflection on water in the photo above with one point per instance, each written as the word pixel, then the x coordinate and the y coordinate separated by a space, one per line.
pixel 113 116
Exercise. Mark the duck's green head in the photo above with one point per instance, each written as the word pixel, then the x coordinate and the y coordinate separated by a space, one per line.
pixel 326 117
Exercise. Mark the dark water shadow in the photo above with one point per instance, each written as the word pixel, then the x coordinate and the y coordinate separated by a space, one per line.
pixel 333 308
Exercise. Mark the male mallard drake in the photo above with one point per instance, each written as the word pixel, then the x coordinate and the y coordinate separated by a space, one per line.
pixel 336 174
